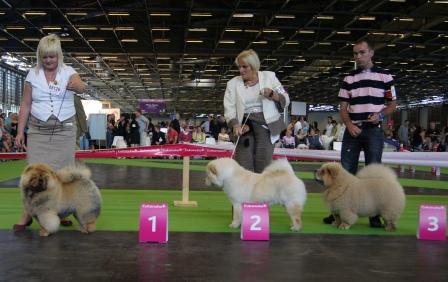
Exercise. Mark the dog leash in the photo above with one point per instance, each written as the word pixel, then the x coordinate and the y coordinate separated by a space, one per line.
pixel 239 136
pixel 57 117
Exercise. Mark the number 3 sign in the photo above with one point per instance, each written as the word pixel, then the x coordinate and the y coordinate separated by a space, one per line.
pixel 432 225
pixel 153 223
pixel 255 223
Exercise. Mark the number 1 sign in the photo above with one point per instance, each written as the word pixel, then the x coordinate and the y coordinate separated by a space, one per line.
pixel 255 222
pixel 153 223
pixel 432 224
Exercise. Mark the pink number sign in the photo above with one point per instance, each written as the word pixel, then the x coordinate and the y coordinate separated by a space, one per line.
pixel 153 223
pixel 432 225
pixel 255 222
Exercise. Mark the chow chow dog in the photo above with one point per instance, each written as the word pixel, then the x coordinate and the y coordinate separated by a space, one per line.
pixel 49 196
pixel 374 190
pixel 277 184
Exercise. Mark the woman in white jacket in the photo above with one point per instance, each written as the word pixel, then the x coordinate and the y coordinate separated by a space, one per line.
pixel 252 105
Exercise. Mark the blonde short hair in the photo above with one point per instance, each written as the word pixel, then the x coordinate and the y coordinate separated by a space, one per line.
pixel 250 57
pixel 49 44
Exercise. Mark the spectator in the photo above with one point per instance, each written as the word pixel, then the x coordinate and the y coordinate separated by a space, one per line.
pixel 185 135
pixel 223 135
pixel 158 137
pixel 173 135
pixel 403 134
pixel 314 140
pixel 432 131
pixel 297 126
pixel 198 135
pixel 143 123
pixel 305 124
pixel 134 132
pixel 289 140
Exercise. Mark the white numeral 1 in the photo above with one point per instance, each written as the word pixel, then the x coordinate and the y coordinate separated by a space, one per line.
pixel 153 223
pixel 254 226
pixel 433 222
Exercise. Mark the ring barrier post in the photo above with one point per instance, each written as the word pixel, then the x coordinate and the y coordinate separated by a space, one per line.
pixel 185 186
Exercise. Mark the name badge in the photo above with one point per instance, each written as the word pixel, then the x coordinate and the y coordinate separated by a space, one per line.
pixel 54 88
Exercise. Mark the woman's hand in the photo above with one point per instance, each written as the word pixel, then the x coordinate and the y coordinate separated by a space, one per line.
pixel 269 94
pixel 20 140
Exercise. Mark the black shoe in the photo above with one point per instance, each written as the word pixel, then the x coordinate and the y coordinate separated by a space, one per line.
pixel 329 219
pixel 375 222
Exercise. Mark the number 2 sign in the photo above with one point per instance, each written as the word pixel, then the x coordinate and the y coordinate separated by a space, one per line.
pixel 153 223
pixel 432 224
pixel 255 222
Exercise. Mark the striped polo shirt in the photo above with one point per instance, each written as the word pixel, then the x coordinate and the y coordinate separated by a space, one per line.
pixel 366 91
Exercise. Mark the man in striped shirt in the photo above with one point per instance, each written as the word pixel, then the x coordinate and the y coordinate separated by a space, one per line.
pixel 366 96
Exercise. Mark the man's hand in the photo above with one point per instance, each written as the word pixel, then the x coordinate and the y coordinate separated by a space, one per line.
pixel 353 130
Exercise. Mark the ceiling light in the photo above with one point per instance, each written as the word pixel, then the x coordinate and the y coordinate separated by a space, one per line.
pixel 251 30
pixel 34 13
pixel 404 19
pixel 390 45
pixel 343 32
pixel 201 14
pixel 51 28
pixel 324 17
pixel 118 14
pixel 366 18
pixel 440 2
pixel 2 13
pixel 3 39
pixel 76 14
pixel 398 1
pixel 66 39
pixel 291 42
pixel 234 30
pixel 324 43
pixel 15 27
pixel 270 30
pixel 132 40
pixel 107 28
pixel 160 14
pixel 378 33
pixel 109 57
pixel 260 42
pixel 160 29
pixel 270 59
pixel 96 40
pixel 87 28
pixel 31 39
pixel 285 16
pixel 163 58
pixel 124 28
pixel 243 15
pixel 306 31
pixel 194 41
pixel 197 29
pixel 161 40
pixel 227 41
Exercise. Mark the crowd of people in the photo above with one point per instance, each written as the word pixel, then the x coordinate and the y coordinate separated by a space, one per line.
pixel 138 130
pixel 8 132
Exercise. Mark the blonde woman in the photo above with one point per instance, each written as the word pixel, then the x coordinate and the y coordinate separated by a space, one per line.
pixel 48 108
pixel 254 99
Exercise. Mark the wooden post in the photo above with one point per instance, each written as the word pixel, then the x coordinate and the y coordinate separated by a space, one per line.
pixel 185 186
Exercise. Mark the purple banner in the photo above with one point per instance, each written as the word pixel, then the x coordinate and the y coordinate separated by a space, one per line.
pixel 152 106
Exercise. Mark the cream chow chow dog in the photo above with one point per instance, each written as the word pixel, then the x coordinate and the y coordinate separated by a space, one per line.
pixel 277 184
pixel 374 190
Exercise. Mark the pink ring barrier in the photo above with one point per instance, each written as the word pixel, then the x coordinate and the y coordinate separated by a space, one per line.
pixel 438 159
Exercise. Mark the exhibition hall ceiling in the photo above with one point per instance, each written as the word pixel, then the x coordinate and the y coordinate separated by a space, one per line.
pixel 183 51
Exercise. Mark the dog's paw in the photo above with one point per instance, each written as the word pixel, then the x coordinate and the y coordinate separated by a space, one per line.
pixel 295 228
pixel 344 226
pixel 390 227
pixel 44 233
pixel 234 224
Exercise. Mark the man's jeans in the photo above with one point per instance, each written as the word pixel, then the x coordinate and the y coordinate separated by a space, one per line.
pixel 371 140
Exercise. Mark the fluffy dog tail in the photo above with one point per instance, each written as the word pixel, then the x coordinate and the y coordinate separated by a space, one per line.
pixel 377 171
pixel 73 173
pixel 279 165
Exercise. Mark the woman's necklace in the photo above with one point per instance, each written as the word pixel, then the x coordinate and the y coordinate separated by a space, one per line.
pixel 50 76
pixel 249 83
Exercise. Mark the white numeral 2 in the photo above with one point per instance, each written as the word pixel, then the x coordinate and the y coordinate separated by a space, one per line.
pixel 254 226
pixel 153 223
pixel 433 222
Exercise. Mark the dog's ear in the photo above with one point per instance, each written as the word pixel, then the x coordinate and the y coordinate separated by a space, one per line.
pixel 331 171
pixel 212 169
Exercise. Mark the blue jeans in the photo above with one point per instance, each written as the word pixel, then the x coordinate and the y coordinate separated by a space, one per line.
pixel 371 140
